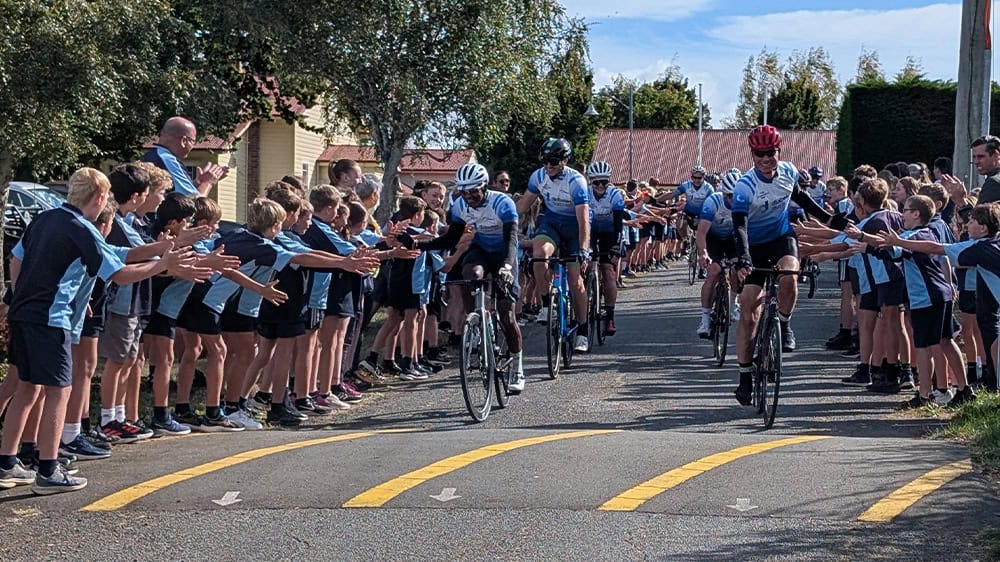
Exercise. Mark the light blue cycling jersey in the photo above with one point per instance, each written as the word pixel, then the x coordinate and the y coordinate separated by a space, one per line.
pixel 561 195
pixel 765 202
pixel 716 211
pixel 695 196
pixel 602 209
pixel 818 192
pixel 488 219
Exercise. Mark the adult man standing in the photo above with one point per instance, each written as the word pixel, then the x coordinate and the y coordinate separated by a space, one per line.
pixel 177 139
pixel 502 181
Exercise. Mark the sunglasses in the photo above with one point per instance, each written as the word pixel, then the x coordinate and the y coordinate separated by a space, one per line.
pixel 697 177
pixel 600 182
pixel 553 162
pixel 765 153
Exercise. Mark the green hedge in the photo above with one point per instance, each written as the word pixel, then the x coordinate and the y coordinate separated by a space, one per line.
pixel 910 121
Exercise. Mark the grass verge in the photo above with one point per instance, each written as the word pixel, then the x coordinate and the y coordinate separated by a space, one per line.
pixel 978 424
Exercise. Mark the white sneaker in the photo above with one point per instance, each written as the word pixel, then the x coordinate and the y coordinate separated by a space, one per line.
pixel 704 329
pixel 942 398
pixel 582 345
pixel 518 385
pixel 543 316
pixel 244 419
pixel 336 403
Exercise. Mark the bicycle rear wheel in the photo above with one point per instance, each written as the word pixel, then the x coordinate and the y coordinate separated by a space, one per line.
pixel 720 329
pixel 692 262
pixel 504 366
pixel 475 369
pixel 553 340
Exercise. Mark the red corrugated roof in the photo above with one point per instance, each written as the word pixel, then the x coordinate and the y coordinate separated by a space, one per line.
pixel 428 160
pixel 669 154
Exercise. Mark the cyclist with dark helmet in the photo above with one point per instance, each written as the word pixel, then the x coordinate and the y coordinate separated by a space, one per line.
pixel 817 187
pixel 564 225
pixel 607 222
pixel 765 239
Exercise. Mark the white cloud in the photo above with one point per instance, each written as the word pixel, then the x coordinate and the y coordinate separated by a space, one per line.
pixel 662 10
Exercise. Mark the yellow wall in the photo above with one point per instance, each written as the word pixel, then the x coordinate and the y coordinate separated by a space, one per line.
pixel 308 147
pixel 277 153
pixel 242 168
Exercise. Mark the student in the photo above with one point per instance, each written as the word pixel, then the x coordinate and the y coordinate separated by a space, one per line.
pixel 930 297
pixel 57 258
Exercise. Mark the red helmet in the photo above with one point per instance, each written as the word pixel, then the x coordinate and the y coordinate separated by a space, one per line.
pixel 764 137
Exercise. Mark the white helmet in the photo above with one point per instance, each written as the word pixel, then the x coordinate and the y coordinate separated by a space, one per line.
pixel 699 170
pixel 471 176
pixel 599 169
pixel 729 180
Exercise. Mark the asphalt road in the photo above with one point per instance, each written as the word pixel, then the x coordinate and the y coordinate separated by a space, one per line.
pixel 638 452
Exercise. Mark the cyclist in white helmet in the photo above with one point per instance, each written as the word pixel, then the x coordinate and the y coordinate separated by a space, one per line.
pixel 607 209
pixel 716 243
pixel 493 251
pixel 695 191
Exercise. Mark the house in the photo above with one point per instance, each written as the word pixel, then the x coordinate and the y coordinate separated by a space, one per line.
pixel 432 164
pixel 669 154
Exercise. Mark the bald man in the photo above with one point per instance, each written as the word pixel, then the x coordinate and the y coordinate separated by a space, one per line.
pixel 177 138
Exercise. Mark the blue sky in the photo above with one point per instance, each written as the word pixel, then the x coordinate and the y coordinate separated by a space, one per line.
pixel 711 40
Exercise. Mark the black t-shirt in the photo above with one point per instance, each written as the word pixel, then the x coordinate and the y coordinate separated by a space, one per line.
pixel 990 193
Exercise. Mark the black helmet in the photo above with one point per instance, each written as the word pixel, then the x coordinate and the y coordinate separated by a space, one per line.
pixel 556 148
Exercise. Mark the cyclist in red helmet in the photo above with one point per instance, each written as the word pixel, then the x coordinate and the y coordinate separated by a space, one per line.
pixel 765 239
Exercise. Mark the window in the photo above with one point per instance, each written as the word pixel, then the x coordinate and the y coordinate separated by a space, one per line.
pixel 305 173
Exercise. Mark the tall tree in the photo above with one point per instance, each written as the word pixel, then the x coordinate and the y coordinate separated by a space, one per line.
pixel 420 71
pixel 796 105
pixel 869 68
pixel 912 71
pixel 813 70
pixel 669 102
pixel 762 72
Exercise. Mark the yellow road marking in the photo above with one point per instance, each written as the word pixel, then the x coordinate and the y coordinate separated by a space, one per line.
pixel 631 499
pixel 379 495
pixel 124 497
pixel 886 509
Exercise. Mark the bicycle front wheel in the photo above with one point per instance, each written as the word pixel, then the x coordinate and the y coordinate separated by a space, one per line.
pixel 568 340
pixel 553 341
pixel 770 373
pixel 594 308
pixel 475 369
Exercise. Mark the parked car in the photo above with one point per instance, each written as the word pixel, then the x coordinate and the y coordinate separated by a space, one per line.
pixel 25 201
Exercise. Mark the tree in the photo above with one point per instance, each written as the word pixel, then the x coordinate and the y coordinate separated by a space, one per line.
pixel 869 68
pixel 813 71
pixel 912 72
pixel 408 72
pixel 761 73
pixel 796 105
pixel 669 102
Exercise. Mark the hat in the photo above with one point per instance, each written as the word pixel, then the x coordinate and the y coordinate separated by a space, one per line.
pixel 915 170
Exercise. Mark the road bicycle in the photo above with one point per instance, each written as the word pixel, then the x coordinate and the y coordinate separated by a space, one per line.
pixel 486 366
pixel 810 271
pixel 560 330
pixel 721 315
pixel 692 256
pixel 767 348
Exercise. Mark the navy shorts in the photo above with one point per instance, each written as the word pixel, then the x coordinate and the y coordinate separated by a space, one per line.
pixel 721 248
pixel 234 322
pixel 312 318
pixel 967 302
pixel 892 293
pixel 931 324
pixel 284 330
pixel 160 325
pixel 94 325
pixel 42 354
pixel 869 301
pixel 605 243
pixel 491 265
pixel 341 297
pixel 842 275
pixel 200 319
pixel 566 238
pixel 768 254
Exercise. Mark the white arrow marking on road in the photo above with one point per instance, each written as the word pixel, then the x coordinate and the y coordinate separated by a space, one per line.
pixel 742 505
pixel 229 498
pixel 446 495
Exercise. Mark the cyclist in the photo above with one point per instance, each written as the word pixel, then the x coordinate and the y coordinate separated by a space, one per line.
pixel 493 251
pixel 564 223
pixel 608 208
pixel 817 187
pixel 765 239
pixel 716 242
pixel 695 190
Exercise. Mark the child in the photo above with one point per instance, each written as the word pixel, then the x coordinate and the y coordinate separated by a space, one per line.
pixel 930 297
pixel 402 297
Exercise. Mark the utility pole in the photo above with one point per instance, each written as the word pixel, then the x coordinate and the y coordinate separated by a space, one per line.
pixel 974 79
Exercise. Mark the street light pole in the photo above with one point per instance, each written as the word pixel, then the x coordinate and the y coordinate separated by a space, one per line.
pixel 699 124
pixel 592 112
